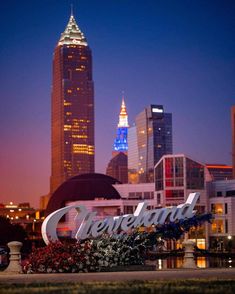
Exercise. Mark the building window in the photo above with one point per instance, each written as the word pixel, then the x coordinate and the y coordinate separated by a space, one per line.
pixel 128 209
pixel 230 193
pixel 219 194
pixel 226 226
pixel 131 194
pixel 217 208
pixel 169 168
pixel 179 182
pixel 159 176
pixel 195 175
pixel 217 226
pixel 146 195
pixel 174 194
pixel 169 183
pixel 158 198
pixel 226 208
pixel 138 195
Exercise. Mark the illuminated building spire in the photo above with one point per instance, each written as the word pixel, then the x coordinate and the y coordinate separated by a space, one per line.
pixel 72 34
pixel 123 117
pixel 120 143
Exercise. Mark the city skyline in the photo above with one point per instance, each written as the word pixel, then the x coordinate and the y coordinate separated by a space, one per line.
pixel 179 55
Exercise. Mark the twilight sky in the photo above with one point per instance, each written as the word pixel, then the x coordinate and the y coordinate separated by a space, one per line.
pixel 177 53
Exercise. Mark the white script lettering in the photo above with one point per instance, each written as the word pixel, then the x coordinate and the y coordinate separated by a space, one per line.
pixel 141 217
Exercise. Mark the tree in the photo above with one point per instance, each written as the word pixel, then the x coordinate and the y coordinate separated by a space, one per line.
pixel 10 232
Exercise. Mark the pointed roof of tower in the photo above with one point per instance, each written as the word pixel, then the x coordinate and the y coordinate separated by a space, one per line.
pixel 72 34
pixel 123 107
pixel 123 116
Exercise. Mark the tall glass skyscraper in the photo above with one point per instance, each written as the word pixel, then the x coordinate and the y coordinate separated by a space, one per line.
pixel 72 133
pixel 149 140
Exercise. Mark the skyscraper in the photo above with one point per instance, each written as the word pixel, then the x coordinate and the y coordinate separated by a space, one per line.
pixel 149 140
pixel 117 167
pixel 120 142
pixel 233 138
pixel 72 112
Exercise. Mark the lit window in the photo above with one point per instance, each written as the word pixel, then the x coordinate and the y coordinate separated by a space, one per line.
pixel 67 103
pixel 217 226
pixel 83 149
pixel 217 208
pixel 67 127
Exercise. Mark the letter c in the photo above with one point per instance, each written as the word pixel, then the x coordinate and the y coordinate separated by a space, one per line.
pixel 51 221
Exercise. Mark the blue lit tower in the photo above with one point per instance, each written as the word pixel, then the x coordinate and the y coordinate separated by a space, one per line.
pixel 117 166
pixel 120 143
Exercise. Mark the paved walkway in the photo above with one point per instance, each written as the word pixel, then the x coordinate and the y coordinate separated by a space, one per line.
pixel 228 273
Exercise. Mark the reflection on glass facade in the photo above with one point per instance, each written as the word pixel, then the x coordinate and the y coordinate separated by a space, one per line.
pixel 195 174
pixel 159 176
pixel 72 107
pixel 154 139
pixel 176 174
pixel 133 157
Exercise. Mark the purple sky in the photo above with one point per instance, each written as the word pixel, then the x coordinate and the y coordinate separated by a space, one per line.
pixel 177 53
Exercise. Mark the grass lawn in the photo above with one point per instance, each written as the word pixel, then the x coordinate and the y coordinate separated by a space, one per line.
pixel 162 287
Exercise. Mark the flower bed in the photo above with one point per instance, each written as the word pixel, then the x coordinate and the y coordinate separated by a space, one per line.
pixel 106 252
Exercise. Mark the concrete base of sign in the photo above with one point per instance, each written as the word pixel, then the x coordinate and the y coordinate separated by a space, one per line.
pixel 14 266
pixel 189 261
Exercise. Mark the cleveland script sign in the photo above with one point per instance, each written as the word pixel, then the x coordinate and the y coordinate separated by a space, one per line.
pixel 141 217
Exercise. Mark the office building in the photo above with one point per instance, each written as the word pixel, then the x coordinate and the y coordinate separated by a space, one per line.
pixel 149 139
pixel 222 204
pixel 233 138
pixel 120 142
pixel 72 130
pixel 220 172
pixel 117 166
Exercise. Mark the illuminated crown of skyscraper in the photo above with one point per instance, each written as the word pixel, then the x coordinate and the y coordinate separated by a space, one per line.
pixel 72 34
pixel 123 117
pixel 120 143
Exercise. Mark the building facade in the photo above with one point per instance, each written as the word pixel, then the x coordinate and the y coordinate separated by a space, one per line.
pixel 222 204
pixel 219 172
pixel 120 142
pixel 72 131
pixel 149 140
pixel 117 166
pixel 176 176
pixel 233 138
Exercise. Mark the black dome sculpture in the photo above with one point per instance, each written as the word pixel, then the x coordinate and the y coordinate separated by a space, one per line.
pixel 83 187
